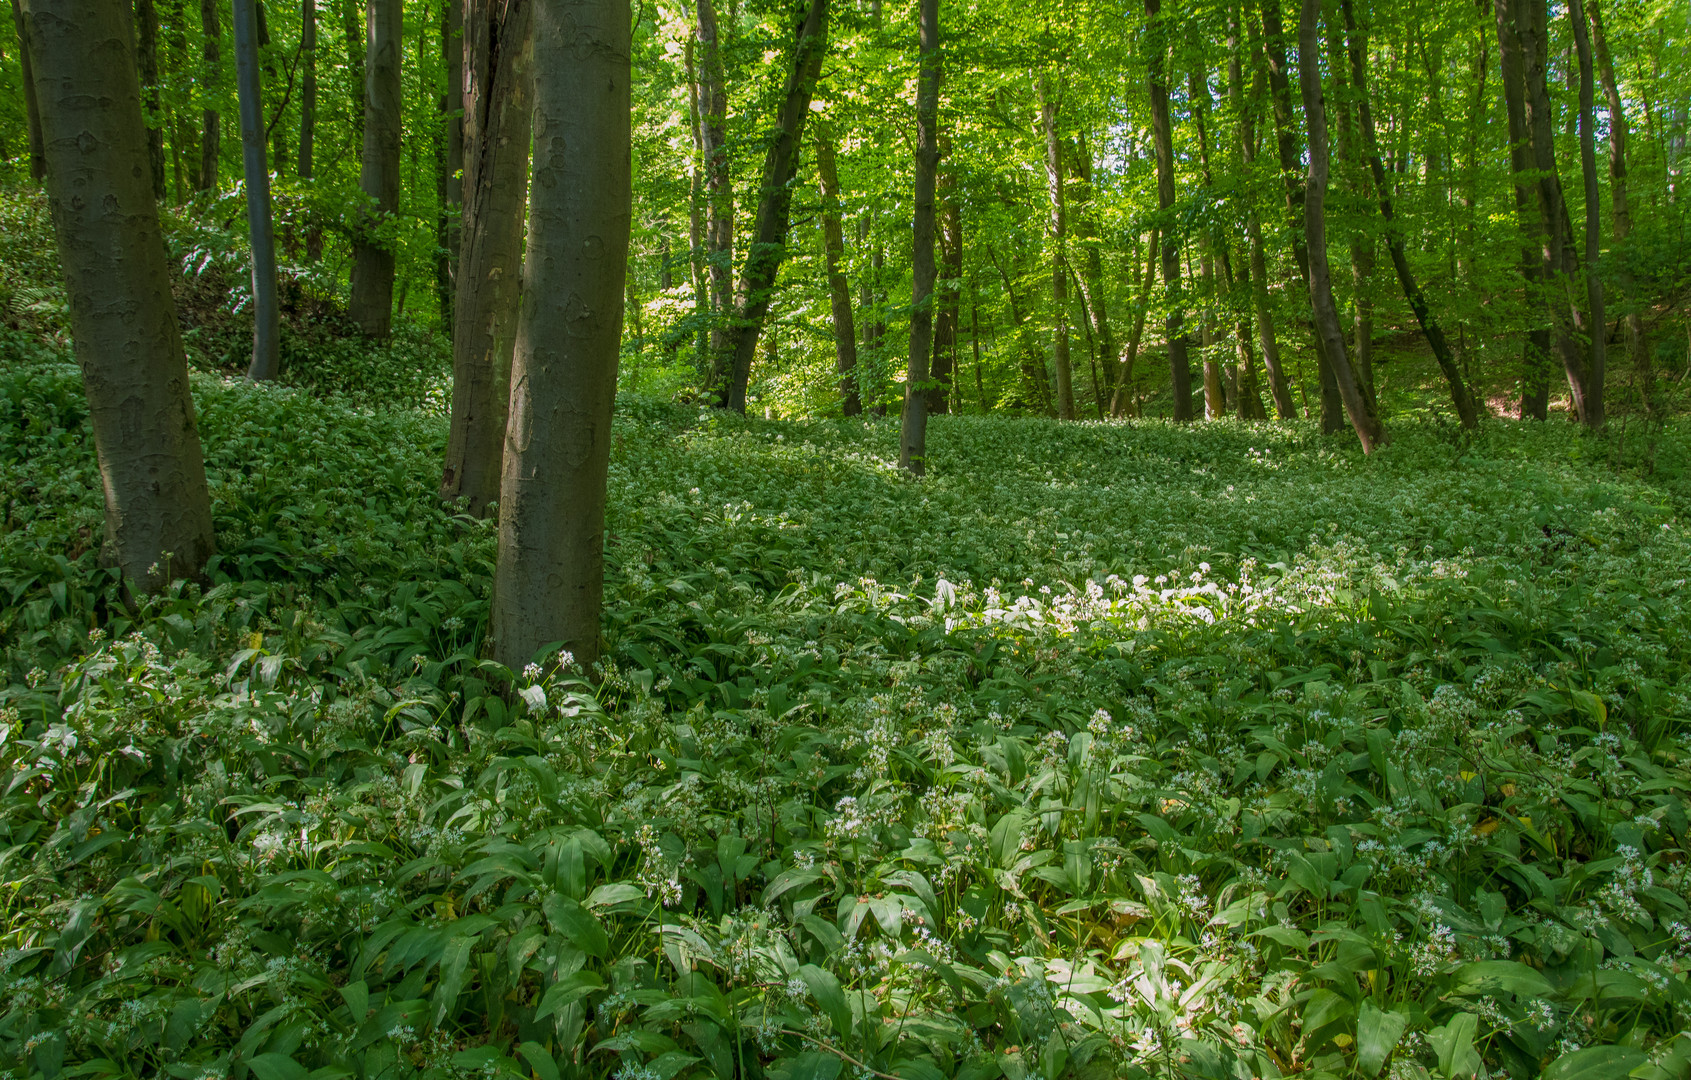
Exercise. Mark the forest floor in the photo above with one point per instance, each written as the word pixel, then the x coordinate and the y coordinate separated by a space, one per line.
pixel 1108 750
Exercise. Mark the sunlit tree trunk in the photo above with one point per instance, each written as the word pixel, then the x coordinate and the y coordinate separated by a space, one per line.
pixel 839 292
pixel 370 305
pixel 1054 238
pixel 266 331
pixel 913 430
pixel 549 581
pixel 1180 367
pixel 117 282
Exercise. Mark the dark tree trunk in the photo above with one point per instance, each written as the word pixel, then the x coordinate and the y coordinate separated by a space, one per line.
pixel 266 330
pixel 450 178
pixel 913 429
pixel 32 113
pixel 211 122
pixel 117 282
pixel 1636 349
pixel 497 95
pixel 1592 411
pixel 308 91
pixel 1362 418
pixel 1535 361
pixel 719 191
pixel 944 365
pixel 550 578
pixel 147 60
pixel 1056 227
pixel 370 305
pixel 1180 366
pixel 775 200
pixel 839 293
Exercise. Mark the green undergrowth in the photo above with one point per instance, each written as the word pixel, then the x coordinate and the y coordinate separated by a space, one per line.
pixel 1107 751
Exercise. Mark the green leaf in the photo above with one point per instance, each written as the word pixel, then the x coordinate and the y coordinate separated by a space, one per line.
pixel 1490 976
pixel 1596 1063
pixel 276 1067
pixel 1454 1044
pixel 1377 1033
pixel 825 988
pixel 540 1060
pixel 577 924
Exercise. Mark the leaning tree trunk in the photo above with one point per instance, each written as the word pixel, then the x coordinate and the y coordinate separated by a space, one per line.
pixel 211 121
pixel 147 59
pixel 497 95
pixel 1430 329
pixel 943 369
pixel 266 327
pixel 839 292
pixel 712 92
pixel 1598 358
pixel 1054 237
pixel 1327 324
pixel 370 305
pixel 117 280
pixel 1636 350
pixel 449 182
pixel 775 202
pixel 913 430
pixel 549 582
pixel 1535 359
pixel 1180 366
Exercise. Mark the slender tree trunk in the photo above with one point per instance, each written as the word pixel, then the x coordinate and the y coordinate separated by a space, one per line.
pixel 308 91
pixel 1360 243
pixel 696 218
pixel 1636 349
pixel 1535 361
pixel 1284 407
pixel 211 122
pixel 839 292
pixel 266 330
pixel 497 94
pixel 913 430
pixel 719 190
pixel 1215 392
pixel 944 363
pixel 1124 398
pixel 278 132
pixel 1466 410
pixel 975 346
pixel 1055 239
pixel 32 113
pixel 1593 412
pixel 147 60
pixel 352 31
pixel 1367 425
pixel 1091 278
pixel 775 200
pixel 550 578
pixel 117 281
pixel 450 185
pixel 370 305
pixel 1180 367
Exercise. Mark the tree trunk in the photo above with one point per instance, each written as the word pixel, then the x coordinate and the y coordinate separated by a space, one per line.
pixel 944 365
pixel 117 281
pixel 1124 397
pixel 352 31
pixel 550 578
pixel 1054 238
pixel 696 219
pixel 37 154
pixel 719 190
pixel 1367 425
pixel 775 200
pixel 370 305
pixel 1180 367
pixel 1636 349
pixel 211 122
pixel 450 183
pixel 1430 329
pixel 913 430
pixel 1093 289
pixel 277 131
pixel 308 92
pixel 266 330
pixel 1593 412
pixel 1215 393
pixel 147 60
pixel 839 293
pixel 1359 242
pixel 497 93
pixel 1284 407
pixel 1535 360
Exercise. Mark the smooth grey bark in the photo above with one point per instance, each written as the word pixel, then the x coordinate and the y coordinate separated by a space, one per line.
pixel 1055 238
pixel 1362 418
pixel 712 133
pixel 1535 358
pixel 211 123
pixel 549 582
pixel 913 429
pixel 1180 366
pixel 117 280
pixel 449 183
pixel 497 94
pixel 1597 356
pixel 1620 205
pixel 266 330
pixel 308 89
pixel 370 305
pixel 768 248
pixel 32 112
pixel 1466 410
pixel 839 292
pixel 147 62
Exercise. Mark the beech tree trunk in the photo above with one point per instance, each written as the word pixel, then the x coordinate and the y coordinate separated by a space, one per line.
pixel 1055 239
pixel 839 292
pixel 943 369
pixel 117 281
pixel 550 578
pixel 266 330
pixel 913 430
pixel 719 190
pixel 1180 366
pixel 1356 404
pixel 768 248
pixel 497 93
pixel 370 305
pixel 1535 358
pixel 1636 349
pixel 211 123
pixel 1597 360
pixel 147 61
pixel 1466 410
pixel 449 185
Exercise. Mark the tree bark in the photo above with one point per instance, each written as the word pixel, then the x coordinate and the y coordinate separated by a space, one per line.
pixel 370 305
pixel 32 113
pixel 1359 242
pixel 839 292
pixel 1535 359
pixel 1093 289
pixel 497 94
pixel 147 60
pixel 117 281
pixel 308 92
pixel 913 429
pixel 1466 410
pixel 450 182
pixel 1362 418
pixel 1124 399
pixel 775 200
pixel 549 583
pixel 1597 359
pixel 943 369
pixel 266 330
pixel 211 122
pixel 1636 349
pixel 1284 407
pixel 1056 227
pixel 719 189
pixel 1180 366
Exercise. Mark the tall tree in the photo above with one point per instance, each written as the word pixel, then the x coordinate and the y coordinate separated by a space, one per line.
pixel 550 577
pixel 1180 366
pixel 497 94
pixel 1056 226
pixel 449 184
pixel 117 280
pixel 1620 203
pixel 1597 358
pixel 1091 278
pixel 371 302
pixel 833 254
pixel 266 340
pixel 943 367
pixel 711 93
pixel 1245 117
pixel 913 431
pixel 775 200
pixel 1359 239
pixel 1362 418
pixel 1535 358
pixel 211 121
pixel 147 61
pixel 308 89
pixel 32 113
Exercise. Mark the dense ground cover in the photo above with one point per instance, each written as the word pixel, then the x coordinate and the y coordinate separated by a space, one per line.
pixel 1106 751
